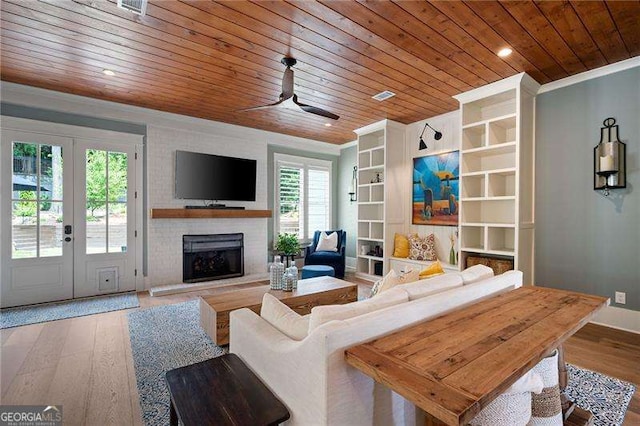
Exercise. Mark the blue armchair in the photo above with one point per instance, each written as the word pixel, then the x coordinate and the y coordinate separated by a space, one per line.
pixel 329 258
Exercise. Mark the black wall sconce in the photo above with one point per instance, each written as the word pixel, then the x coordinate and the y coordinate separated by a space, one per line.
pixel 353 189
pixel 436 135
pixel 609 159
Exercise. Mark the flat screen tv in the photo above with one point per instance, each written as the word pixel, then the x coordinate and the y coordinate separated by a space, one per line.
pixel 214 177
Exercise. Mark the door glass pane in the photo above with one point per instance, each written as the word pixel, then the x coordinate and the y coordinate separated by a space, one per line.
pixel 24 233
pixel 117 227
pixel 37 188
pixel 51 172
pixel 96 229
pixel 117 176
pixel 51 228
pixel 96 189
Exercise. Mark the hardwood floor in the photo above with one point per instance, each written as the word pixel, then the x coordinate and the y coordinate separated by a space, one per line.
pixel 86 365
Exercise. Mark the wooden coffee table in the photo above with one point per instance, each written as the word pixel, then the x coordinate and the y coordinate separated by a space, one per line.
pixel 214 310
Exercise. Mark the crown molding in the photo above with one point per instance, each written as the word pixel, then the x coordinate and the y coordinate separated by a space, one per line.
pixel 591 74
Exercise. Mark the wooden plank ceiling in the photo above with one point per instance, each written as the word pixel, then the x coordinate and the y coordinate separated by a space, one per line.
pixel 209 59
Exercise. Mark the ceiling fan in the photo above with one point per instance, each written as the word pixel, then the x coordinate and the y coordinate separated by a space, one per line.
pixel 288 99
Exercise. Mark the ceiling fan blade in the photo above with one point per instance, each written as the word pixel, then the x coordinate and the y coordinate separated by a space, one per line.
pixel 315 110
pixel 263 106
pixel 287 84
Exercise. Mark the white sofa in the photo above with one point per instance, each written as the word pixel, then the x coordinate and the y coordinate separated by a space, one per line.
pixel 311 376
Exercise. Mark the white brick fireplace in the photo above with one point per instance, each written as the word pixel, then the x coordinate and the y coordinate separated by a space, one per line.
pixel 165 235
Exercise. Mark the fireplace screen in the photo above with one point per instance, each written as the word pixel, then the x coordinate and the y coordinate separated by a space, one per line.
pixel 212 257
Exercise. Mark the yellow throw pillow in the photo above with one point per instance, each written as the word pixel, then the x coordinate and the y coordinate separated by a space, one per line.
pixel 432 270
pixel 400 246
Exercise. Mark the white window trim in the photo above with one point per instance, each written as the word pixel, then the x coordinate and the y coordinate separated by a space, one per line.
pixel 305 163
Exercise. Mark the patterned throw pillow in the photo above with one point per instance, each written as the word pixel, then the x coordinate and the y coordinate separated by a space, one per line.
pixel 393 279
pixel 422 248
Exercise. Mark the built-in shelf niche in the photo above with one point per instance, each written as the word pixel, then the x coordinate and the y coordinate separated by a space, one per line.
pixel 491 158
pixel 502 184
pixel 489 107
pixel 491 211
pixel 473 237
pixel 500 239
pixel 502 130
pixel 370 211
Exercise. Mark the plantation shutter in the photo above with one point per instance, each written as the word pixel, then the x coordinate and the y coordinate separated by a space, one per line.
pixel 319 202
pixel 303 195
pixel 291 201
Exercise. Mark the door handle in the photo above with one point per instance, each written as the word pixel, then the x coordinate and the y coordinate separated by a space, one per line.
pixel 68 229
pixel 67 239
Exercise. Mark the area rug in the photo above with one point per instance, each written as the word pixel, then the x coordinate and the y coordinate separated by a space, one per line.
pixel 15 317
pixel 607 398
pixel 168 337
pixel 164 338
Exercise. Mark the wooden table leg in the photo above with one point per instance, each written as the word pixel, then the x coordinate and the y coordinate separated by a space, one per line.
pixel 563 381
pixel 571 413
pixel 173 416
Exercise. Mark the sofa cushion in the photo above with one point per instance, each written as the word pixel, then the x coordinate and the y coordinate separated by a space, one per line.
pixel 327 242
pixel 284 318
pixel 401 246
pixel 476 273
pixel 432 270
pixel 433 285
pixel 322 314
pixel 422 248
pixel 393 279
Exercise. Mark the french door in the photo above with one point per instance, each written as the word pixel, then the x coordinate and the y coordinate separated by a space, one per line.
pixel 67 218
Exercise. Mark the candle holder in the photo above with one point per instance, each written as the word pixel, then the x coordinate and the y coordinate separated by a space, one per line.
pixel 353 188
pixel 609 159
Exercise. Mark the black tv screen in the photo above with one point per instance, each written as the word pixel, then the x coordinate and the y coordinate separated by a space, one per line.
pixel 214 177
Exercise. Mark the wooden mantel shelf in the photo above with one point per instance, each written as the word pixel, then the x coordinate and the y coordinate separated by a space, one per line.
pixel 207 213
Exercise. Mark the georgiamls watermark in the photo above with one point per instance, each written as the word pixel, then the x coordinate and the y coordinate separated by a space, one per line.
pixel 30 415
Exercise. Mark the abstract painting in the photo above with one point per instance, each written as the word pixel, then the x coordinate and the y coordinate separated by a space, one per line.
pixel 436 189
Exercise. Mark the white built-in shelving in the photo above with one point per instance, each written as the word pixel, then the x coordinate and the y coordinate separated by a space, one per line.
pixel 497 171
pixel 380 146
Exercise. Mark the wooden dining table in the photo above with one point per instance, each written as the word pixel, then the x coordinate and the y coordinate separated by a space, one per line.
pixel 453 365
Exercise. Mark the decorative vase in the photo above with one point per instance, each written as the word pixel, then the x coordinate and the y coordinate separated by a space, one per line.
pixel 452 256
pixel 287 280
pixel 276 270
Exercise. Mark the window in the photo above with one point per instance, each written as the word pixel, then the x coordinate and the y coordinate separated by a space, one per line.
pixel 303 195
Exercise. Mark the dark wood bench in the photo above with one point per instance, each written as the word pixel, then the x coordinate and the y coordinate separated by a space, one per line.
pixel 222 391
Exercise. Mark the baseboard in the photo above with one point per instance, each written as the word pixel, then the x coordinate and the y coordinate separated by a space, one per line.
pixel 164 290
pixel 619 318
pixel 350 264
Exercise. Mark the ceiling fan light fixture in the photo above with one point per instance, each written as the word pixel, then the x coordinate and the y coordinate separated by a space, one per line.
pixel 503 53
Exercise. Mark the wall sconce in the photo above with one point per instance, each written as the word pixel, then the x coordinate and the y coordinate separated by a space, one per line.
pixel 353 189
pixel 609 159
pixel 437 136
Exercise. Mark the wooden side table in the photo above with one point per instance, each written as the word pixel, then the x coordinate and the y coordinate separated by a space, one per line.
pixel 221 391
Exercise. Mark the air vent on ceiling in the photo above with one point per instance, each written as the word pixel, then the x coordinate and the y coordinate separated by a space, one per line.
pixel 383 96
pixel 136 6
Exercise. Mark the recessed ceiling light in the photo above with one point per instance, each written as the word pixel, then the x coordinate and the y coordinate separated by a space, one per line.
pixel 505 52
pixel 327 124
pixel 108 72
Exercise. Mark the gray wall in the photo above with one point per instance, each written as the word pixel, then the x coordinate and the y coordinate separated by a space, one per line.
pixel 585 241
pixel 271 150
pixel 347 210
